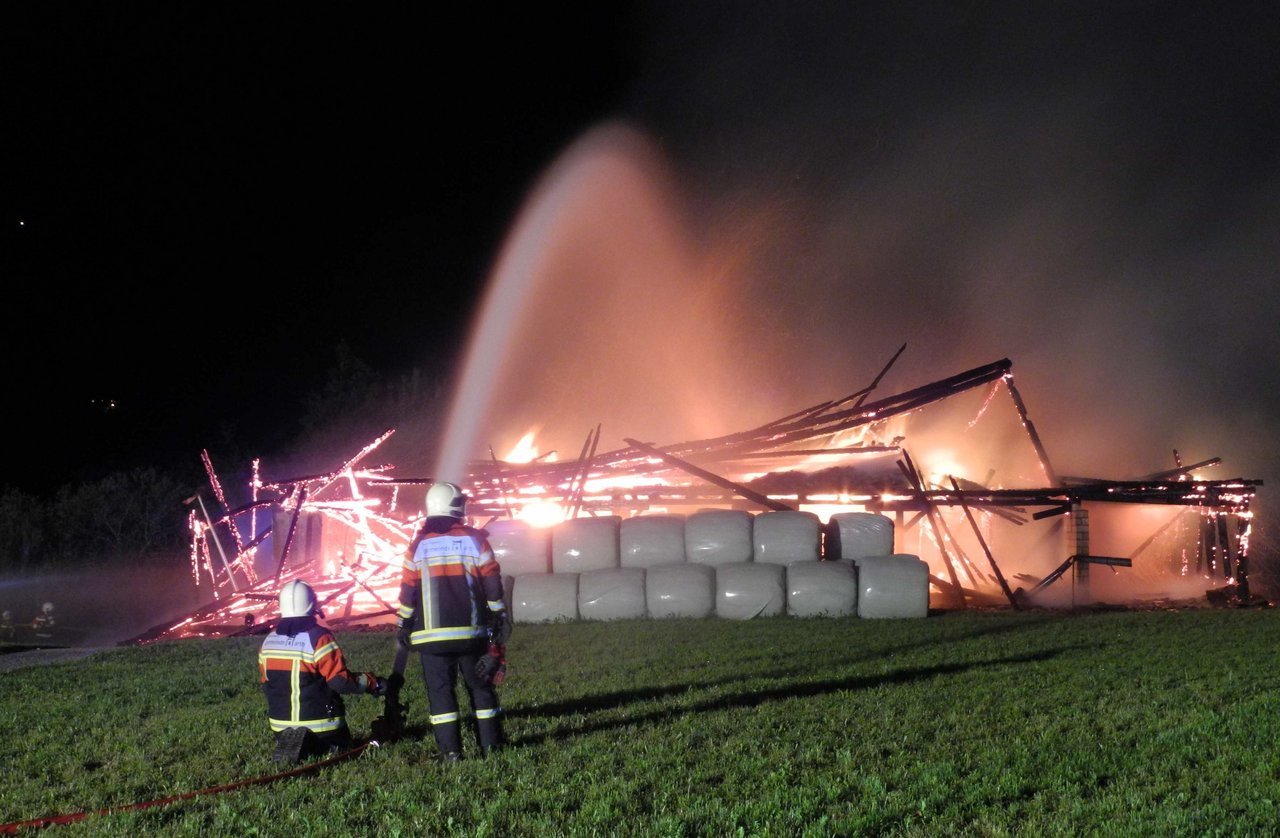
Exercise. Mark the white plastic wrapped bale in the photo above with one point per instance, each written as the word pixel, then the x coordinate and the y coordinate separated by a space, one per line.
pixel 680 590
pixel 583 544
pixel 852 535
pixel 544 597
pixel 893 586
pixel 508 588
pixel 649 540
pixel 614 594
pixel 747 590
pixel 822 589
pixel 520 548
pixel 718 536
pixel 786 536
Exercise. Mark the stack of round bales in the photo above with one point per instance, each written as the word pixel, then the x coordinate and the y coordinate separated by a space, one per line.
pixel 673 587
pixel 889 584
pixel 524 554
pixel 726 563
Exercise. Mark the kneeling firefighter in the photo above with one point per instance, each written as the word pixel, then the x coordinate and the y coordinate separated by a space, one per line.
pixel 451 611
pixel 303 674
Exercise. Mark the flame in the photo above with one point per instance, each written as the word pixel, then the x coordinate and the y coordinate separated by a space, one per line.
pixel 542 514
pixel 524 451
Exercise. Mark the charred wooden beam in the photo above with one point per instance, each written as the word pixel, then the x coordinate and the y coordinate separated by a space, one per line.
pixel 1060 509
pixel 1243 525
pixel 501 483
pixel 913 477
pixel 293 529
pixel 1159 531
pixel 1031 430
pixel 1181 469
pixel 1053 576
pixel 965 562
pixel 1004 586
pixel 578 474
pixel 589 455
pixel 779 434
pixel 805 452
pixel 892 406
pixel 818 409
pixel 1224 543
pixel 1110 561
pixel 861 396
pixel 738 488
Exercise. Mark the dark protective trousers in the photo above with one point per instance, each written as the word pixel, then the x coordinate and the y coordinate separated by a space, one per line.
pixel 440 674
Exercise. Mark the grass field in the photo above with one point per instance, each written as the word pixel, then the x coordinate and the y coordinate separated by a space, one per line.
pixel 991 723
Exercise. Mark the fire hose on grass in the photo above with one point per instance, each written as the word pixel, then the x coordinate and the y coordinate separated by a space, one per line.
pixel 73 817
pixel 385 729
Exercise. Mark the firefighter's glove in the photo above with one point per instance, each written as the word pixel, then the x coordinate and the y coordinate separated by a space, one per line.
pixel 403 631
pixel 501 627
pixel 372 684
pixel 486 667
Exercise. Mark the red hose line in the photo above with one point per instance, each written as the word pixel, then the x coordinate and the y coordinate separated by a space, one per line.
pixel 55 820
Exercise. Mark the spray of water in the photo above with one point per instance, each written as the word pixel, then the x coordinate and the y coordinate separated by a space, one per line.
pixel 602 310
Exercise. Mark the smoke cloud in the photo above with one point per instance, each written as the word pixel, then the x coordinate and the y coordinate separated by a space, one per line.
pixel 1080 189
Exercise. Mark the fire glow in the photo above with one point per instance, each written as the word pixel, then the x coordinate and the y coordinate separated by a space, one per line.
pixel 345 532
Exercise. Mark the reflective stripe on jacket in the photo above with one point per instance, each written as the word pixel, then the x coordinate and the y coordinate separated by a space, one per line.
pixel 302 675
pixel 450 585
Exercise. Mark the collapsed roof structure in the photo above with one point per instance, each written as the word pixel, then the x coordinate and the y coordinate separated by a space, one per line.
pixel 957 464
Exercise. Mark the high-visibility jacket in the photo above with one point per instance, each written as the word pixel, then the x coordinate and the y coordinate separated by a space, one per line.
pixel 302 675
pixel 450 589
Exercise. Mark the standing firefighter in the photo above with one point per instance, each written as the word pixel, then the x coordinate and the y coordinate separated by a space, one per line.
pixel 303 673
pixel 451 608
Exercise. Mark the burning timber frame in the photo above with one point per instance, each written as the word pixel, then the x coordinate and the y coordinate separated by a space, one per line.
pixel 811 432
pixel 363 501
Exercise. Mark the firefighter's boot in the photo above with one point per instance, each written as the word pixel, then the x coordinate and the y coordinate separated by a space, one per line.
pixel 291 745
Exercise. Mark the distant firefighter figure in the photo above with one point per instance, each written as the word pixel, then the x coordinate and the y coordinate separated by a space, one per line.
pixel 7 628
pixel 45 619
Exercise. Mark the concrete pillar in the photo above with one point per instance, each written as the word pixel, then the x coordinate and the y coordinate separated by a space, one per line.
pixel 1080 533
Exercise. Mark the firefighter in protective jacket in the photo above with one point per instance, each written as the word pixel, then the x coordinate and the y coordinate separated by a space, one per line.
pixel 450 608
pixel 303 674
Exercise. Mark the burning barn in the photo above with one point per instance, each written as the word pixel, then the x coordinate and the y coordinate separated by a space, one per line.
pixel 940 496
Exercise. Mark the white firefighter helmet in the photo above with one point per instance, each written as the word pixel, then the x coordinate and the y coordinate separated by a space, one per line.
pixel 297 599
pixel 446 499
pixel 7 616
pixel 47 608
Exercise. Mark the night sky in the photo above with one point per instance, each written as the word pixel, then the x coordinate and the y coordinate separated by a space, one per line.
pixel 199 205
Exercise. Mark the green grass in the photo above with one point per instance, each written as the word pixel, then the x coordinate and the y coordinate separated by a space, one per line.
pixel 994 723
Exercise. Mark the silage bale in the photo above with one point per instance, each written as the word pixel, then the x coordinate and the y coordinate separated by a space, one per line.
pixel 892 586
pixel 612 594
pixel 649 540
pixel 508 586
pixel 786 536
pixel 680 590
pixel 822 589
pixel 582 544
pixel 718 536
pixel 746 589
pixel 544 597
pixel 852 535
pixel 520 548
